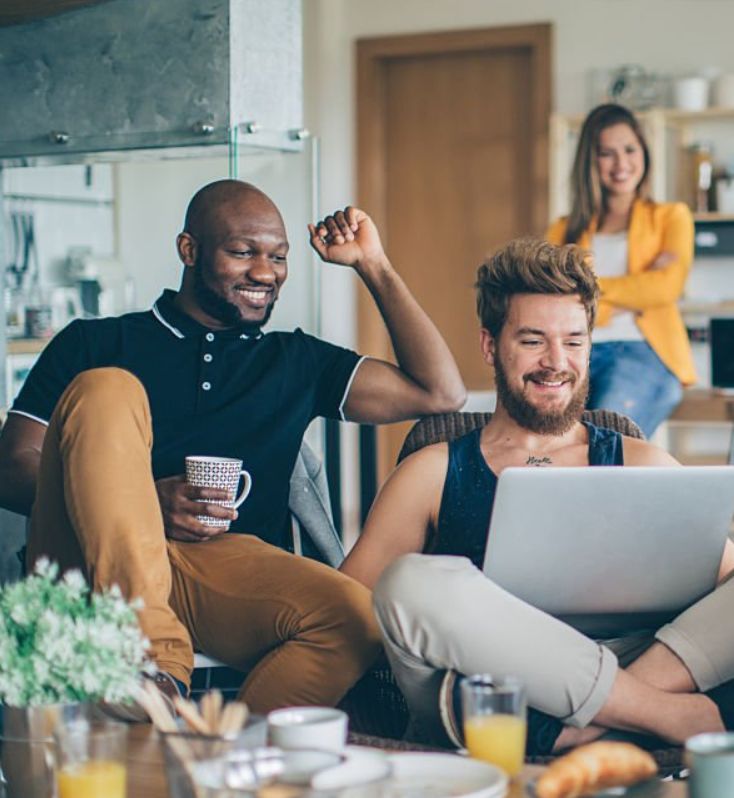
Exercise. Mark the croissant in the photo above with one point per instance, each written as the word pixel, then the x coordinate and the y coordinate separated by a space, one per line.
pixel 593 767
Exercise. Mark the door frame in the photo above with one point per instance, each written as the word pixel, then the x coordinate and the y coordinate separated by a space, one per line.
pixel 373 58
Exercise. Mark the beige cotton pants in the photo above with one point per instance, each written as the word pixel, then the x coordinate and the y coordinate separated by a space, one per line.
pixel 440 612
pixel 304 631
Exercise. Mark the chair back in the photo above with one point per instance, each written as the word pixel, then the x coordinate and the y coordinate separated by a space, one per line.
pixel 448 426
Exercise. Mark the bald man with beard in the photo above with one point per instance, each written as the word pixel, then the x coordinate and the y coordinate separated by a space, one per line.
pixel 95 443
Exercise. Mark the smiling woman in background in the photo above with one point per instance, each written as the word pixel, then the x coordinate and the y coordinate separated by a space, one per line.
pixel 640 358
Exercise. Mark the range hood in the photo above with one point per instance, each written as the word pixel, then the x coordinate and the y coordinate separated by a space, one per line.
pixel 150 75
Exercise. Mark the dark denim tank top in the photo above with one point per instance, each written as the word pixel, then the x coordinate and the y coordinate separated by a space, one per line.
pixel 468 493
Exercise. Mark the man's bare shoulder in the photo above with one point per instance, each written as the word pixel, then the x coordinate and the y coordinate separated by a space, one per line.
pixel 644 453
pixel 430 459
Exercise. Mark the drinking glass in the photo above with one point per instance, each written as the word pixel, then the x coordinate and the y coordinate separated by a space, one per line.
pixel 91 759
pixel 495 720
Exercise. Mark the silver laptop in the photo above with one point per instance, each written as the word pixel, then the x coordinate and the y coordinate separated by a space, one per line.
pixel 610 550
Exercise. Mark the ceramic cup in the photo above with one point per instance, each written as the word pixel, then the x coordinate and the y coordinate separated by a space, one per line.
pixel 711 760
pixel 691 94
pixel 218 472
pixel 308 727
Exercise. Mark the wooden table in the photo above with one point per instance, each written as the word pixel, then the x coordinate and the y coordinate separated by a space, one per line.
pixel 147 776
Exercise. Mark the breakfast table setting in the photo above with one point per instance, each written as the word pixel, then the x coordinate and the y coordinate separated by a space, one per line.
pixel 147 774
pixel 215 750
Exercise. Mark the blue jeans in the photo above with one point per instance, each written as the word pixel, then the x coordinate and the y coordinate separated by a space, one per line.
pixel 628 377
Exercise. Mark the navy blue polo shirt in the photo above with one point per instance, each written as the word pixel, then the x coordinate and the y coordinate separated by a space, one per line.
pixel 220 393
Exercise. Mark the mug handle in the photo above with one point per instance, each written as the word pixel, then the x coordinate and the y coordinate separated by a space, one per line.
pixel 245 490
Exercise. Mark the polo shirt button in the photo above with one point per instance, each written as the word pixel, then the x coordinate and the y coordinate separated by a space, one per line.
pixel 207 358
pixel 206 386
pixel 210 336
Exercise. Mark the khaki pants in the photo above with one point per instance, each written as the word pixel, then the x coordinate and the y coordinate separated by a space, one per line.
pixel 304 632
pixel 440 612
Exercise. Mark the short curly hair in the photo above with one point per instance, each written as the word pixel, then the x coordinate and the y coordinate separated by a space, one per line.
pixel 533 266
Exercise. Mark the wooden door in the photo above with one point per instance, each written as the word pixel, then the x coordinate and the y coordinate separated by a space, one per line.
pixel 452 163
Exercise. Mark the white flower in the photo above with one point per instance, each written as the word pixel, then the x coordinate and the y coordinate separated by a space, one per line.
pixel 58 643
pixel 75 581
pixel 19 614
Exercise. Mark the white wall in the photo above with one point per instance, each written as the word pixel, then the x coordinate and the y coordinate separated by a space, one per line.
pixel 150 204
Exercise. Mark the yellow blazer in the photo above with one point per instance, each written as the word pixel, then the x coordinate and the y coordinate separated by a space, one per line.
pixel 652 294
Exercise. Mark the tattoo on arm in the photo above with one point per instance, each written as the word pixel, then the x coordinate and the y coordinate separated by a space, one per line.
pixel 538 461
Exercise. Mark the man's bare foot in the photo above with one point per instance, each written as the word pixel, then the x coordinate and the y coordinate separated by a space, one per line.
pixel 687 715
pixel 681 718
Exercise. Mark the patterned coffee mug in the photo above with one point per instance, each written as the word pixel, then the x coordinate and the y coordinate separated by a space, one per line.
pixel 218 472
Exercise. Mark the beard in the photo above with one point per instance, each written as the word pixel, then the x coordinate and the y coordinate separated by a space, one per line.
pixel 532 418
pixel 219 308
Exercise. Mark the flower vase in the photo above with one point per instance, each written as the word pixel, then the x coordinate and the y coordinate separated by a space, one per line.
pixel 28 762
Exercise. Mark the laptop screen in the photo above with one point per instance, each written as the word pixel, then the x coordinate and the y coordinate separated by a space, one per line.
pixel 609 546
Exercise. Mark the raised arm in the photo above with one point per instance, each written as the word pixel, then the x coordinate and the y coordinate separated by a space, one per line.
pixel 427 379
pixel 20 456
pixel 405 510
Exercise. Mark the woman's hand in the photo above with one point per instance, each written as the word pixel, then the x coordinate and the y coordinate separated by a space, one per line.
pixel 663 259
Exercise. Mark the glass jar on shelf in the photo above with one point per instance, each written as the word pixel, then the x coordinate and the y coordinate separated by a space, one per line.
pixel 14 311
pixel 703 173
pixel 38 313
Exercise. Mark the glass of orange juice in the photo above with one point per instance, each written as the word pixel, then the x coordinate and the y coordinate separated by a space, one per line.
pixel 90 759
pixel 495 720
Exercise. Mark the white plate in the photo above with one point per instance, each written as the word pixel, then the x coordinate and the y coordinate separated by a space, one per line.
pixel 419 775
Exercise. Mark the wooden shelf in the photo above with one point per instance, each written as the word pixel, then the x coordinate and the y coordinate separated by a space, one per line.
pixel 713 217
pixel 708 114
pixel 25 346
pixel 669 115
pixel 691 308
pixel 701 459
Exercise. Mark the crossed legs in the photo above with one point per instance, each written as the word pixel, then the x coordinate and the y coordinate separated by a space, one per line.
pixel 438 613
pixel 305 631
pixel 648 696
